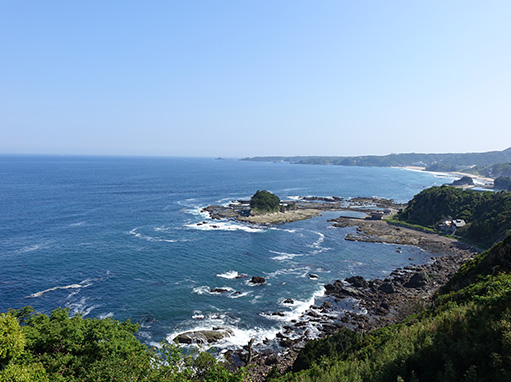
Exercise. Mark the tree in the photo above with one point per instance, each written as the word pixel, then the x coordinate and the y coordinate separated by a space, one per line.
pixel 264 201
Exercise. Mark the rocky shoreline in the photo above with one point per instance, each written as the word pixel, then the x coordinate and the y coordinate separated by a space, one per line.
pixel 354 303
pixel 360 304
pixel 303 208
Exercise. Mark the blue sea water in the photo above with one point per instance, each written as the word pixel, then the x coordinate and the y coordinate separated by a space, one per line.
pixel 108 236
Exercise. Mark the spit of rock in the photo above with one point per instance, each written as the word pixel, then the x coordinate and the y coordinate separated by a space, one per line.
pixel 258 280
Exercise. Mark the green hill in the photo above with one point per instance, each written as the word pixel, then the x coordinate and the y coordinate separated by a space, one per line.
pixel 487 214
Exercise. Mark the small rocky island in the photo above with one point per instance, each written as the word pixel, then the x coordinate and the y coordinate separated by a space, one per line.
pixel 266 208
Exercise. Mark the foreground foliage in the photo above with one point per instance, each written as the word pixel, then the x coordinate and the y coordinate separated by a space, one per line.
pixel 464 336
pixel 38 347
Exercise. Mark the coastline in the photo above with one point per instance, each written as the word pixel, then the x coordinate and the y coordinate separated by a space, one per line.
pixel 479 178
pixel 364 305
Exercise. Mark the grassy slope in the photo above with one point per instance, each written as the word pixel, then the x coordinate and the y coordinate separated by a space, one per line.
pixel 464 336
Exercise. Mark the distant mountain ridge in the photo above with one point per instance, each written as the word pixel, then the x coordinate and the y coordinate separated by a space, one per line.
pixel 397 160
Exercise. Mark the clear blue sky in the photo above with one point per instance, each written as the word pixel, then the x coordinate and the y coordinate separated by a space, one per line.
pixel 242 78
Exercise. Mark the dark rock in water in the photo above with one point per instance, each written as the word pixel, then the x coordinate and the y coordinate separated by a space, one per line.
pixel 278 314
pixel 313 276
pixel 418 280
pixel 387 287
pixel 464 181
pixel 203 336
pixel 219 290
pixel 242 276
pixel 258 280
pixel 357 281
pixel 288 301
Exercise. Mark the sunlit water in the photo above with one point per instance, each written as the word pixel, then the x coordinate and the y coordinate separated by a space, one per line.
pixel 119 236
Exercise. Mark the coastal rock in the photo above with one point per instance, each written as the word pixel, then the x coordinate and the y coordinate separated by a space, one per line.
pixel 272 359
pixel 258 280
pixel 203 336
pixel 219 290
pixel 387 287
pixel 417 280
pixel 288 301
pixel 357 281
pixel 313 276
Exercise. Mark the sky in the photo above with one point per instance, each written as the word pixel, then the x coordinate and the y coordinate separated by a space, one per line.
pixel 244 78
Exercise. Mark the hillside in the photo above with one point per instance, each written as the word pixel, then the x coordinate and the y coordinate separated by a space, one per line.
pixel 487 214
pixel 398 160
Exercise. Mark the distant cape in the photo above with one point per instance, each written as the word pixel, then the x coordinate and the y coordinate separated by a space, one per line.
pixel 398 160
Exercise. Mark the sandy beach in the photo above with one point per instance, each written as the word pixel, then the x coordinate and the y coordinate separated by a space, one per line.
pixel 477 178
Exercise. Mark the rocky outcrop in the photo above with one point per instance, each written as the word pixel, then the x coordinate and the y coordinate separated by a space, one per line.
pixel 219 290
pixel 258 280
pixel 417 280
pixel 203 336
pixel 357 281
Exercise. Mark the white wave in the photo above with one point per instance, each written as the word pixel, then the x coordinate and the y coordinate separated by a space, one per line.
pixel 302 272
pixel 71 286
pixel 229 275
pixel 186 202
pixel 106 315
pixel 76 224
pixel 239 294
pixel 80 307
pixel 150 238
pixel 206 289
pixel 239 337
pixel 317 243
pixel 163 229
pixel 223 226
pixel 284 256
pixel 198 211
pixel 32 248
pixel 201 290
pixel 298 308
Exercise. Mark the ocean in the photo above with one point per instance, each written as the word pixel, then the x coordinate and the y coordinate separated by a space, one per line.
pixel 115 236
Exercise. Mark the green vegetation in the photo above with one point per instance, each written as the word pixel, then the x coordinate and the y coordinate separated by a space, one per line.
pixel 502 183
pixel 464 336
pixel 441 167
pixel 494 171
pixel 487 214
pixel 442 161
pixel 394 220
pixel 38 347
pixel 264 201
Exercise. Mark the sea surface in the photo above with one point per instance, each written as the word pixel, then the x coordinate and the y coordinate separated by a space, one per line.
pixel 107 236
